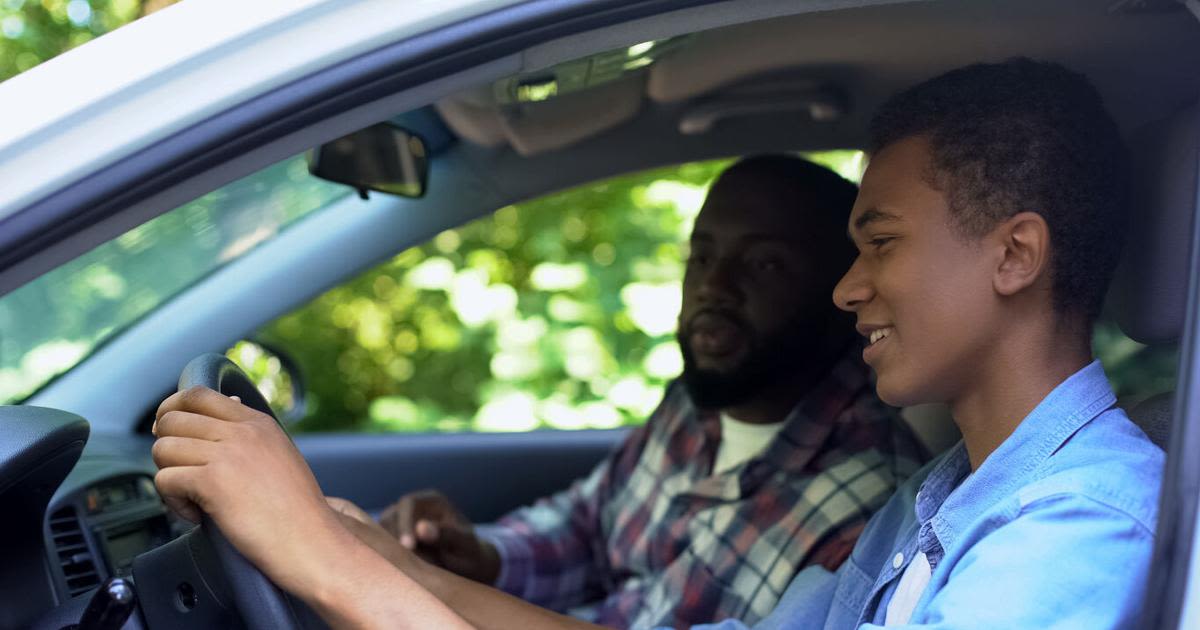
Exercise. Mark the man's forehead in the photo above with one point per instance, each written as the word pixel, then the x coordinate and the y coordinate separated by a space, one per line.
pixel 748 225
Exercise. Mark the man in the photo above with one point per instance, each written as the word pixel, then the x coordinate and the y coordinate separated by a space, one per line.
pixel 677 526
pixel 768 455
pixel 988 226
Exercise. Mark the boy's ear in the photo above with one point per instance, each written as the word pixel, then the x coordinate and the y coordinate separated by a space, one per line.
pixel 1025 239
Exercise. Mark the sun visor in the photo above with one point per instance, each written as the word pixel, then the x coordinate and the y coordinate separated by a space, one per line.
pixel 477 124
pixel 540 127
pixel 536 127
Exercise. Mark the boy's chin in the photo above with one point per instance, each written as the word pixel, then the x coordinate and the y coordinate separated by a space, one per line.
pixel 897 393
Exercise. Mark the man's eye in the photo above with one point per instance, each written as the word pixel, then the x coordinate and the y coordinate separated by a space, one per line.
pixel 698 260
pixel 768 264
pixel 879 241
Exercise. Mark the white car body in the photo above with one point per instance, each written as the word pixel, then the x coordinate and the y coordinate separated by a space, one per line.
pixel 149 83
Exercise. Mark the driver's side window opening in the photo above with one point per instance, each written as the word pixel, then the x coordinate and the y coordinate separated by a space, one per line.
pixel 554 313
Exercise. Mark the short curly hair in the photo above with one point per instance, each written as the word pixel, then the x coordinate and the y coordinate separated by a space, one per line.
pixel 1025 135
pixel 826 197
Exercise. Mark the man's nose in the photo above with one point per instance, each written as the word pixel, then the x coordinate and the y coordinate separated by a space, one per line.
pixel 720 282
pixel 854 289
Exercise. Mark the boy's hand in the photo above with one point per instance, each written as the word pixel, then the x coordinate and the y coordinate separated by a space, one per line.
pixel 236 464
pixel 429 524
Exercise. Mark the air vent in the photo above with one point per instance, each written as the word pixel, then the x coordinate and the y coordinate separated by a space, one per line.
pixel 78 565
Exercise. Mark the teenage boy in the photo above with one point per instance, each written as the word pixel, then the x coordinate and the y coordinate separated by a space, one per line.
pixel 774 402
pixel 988 225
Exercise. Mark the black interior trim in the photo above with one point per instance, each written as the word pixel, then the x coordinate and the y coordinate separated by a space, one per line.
pixel 1177 507
pixel 372 469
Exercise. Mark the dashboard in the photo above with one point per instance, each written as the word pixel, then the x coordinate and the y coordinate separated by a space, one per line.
pixel 95 532
pixel 88 544
pixel 78 508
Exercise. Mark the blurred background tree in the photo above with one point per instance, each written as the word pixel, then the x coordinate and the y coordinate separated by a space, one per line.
pixel 32 31
pixel 558 312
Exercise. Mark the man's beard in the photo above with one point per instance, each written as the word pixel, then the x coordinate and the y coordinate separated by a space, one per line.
pixel 769 360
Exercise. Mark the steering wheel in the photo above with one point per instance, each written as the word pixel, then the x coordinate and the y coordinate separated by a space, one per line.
pixel 260 603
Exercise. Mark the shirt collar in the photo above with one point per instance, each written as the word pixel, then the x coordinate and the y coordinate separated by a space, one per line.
pixel 805 431
pixel 946 507
pixel 810 422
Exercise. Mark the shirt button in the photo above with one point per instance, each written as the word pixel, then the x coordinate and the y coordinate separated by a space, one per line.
pixel 898 561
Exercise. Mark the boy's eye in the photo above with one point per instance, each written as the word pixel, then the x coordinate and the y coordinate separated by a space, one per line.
pixel 879 241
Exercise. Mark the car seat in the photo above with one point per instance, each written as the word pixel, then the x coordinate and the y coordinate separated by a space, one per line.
pixel 1149 293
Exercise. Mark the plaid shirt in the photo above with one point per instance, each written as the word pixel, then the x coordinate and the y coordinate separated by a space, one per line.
pixel 651 537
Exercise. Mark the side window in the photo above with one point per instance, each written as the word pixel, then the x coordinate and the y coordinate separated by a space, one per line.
pixel 1137 371
pixel 554 313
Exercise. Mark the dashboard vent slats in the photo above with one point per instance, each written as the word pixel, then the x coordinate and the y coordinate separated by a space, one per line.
pixel 78 565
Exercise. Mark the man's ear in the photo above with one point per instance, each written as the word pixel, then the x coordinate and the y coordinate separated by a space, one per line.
pixel 1025 242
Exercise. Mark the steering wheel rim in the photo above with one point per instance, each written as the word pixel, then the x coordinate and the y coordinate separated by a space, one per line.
pixel 261 605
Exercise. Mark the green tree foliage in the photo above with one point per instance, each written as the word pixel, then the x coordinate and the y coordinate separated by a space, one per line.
pixel 557 312
pixel 49 324
pixel 32 31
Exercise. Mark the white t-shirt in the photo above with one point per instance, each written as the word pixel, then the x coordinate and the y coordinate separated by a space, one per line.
pixel 741 441
pixel 912 584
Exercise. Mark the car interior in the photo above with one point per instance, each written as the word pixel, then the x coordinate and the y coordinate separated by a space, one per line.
pixel 681 85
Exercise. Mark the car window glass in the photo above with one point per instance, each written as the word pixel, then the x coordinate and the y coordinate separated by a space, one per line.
pixel 57 320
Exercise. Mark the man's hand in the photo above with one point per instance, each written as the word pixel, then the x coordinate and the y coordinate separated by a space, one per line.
pixel 429 524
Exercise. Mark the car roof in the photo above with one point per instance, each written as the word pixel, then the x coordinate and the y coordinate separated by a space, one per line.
pixel 1140 61
pixel 109 98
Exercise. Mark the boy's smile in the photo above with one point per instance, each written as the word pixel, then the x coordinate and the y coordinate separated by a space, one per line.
pixel 922 292
pixel 876 337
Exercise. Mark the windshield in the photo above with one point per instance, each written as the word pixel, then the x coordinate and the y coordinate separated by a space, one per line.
pixel 54 322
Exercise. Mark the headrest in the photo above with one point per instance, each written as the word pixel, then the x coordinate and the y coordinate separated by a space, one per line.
pixel 1149 292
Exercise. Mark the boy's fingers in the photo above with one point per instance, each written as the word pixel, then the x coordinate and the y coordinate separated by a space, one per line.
pixel 192 425
pixel 205 401
pixel 177 485
pixel 184 509
pixel 181 451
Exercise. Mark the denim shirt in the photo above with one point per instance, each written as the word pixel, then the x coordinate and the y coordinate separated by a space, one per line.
pixel 1054 530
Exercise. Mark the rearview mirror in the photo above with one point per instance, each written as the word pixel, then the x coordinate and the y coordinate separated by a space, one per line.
pixel 382 157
